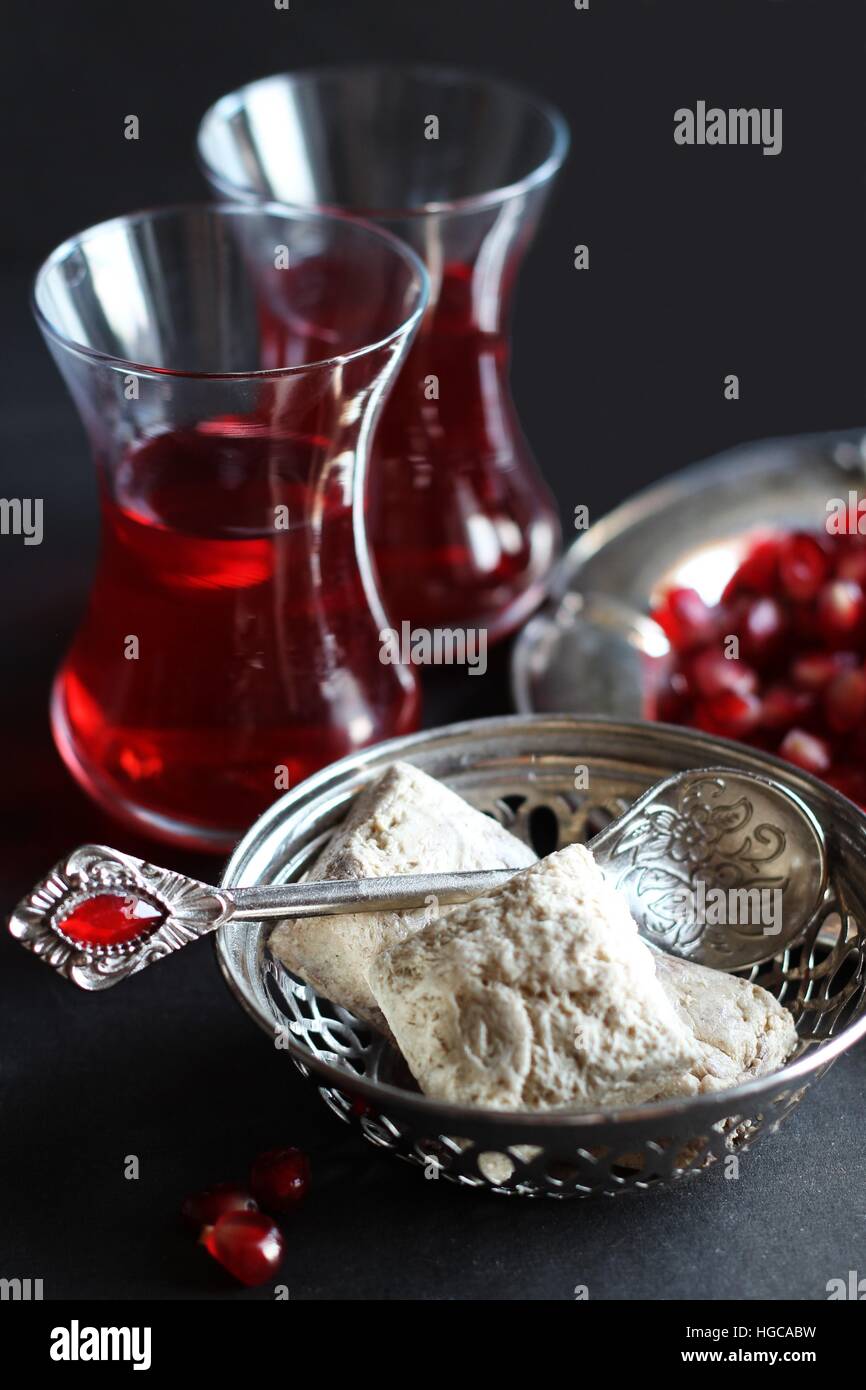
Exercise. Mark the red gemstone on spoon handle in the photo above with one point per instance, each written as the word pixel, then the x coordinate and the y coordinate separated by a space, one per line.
pixel 110 919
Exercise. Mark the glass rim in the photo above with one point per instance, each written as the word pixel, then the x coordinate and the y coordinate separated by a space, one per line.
pixel 218 210
pixel 543 172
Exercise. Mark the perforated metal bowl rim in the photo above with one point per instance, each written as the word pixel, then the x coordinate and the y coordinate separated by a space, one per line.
pixel 709 751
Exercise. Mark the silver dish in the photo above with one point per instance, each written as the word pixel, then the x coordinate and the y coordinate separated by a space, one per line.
pixel 523 771
pixel 691 529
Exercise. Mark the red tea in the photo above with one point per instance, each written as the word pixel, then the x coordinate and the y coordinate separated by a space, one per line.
pixel 462 529
pixel 230 647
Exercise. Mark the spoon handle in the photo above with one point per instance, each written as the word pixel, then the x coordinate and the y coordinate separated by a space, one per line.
pixel 722 867
pixel 101 915
pixel 327 897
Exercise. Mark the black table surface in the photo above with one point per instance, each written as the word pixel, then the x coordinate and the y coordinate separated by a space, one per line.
pixel 698 267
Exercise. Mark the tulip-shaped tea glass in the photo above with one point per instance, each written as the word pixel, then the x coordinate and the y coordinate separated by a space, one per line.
pixel 231 645
pixel 462 527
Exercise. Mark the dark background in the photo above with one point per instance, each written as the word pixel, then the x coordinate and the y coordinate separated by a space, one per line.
pixel 703 262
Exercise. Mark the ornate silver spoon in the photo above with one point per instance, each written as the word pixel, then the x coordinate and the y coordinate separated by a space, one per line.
pixel 724 868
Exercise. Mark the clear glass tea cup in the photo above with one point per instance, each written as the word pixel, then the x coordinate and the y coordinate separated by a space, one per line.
pixel 463 529
pixel 231 644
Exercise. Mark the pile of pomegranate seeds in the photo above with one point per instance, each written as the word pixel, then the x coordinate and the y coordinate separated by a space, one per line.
pixel 793 682
pixel 242 1238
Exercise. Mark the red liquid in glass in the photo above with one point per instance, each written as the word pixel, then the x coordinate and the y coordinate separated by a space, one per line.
pixel 463 529
pixel 256 646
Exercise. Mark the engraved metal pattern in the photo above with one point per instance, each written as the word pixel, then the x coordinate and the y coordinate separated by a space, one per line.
pixel 192 909
pixel 522 770
pixel 727 832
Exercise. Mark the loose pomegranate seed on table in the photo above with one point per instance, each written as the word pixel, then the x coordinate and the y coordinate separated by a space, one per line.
pixel 205 1208
pixel 247 1244
pixel 280 1179
pixel 794 681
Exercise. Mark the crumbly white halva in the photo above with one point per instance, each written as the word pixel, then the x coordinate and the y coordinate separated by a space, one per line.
pixel 405 823
pixel 540 995
pixel 739 1029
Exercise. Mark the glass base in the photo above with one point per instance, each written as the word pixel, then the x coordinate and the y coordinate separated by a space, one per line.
pixel 174 832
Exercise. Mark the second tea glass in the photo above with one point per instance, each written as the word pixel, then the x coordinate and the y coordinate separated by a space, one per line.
pixel 463 529
pixel 232 641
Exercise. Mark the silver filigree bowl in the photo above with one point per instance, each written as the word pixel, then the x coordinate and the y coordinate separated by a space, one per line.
pixel 523 770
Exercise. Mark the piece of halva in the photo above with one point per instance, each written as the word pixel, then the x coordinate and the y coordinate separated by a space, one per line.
pixel 404 823
pixel 539 995
pixel 739 1030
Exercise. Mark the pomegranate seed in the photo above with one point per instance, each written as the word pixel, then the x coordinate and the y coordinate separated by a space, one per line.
pixel 806 751
pixel 673 699
pixel 110 919
pixel 852 565
pixel 845 701
pixel 715 673
pixel 247 1244
pixel 757 573
pixel 841 607
pixel 206 1208
pixel 850 781
pixel 670 709
pixel 781 707
pixel 280 1178
pixel 763 629
pixel 729 714
pixel 685 618
pixel 814 670
pixel 803 566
